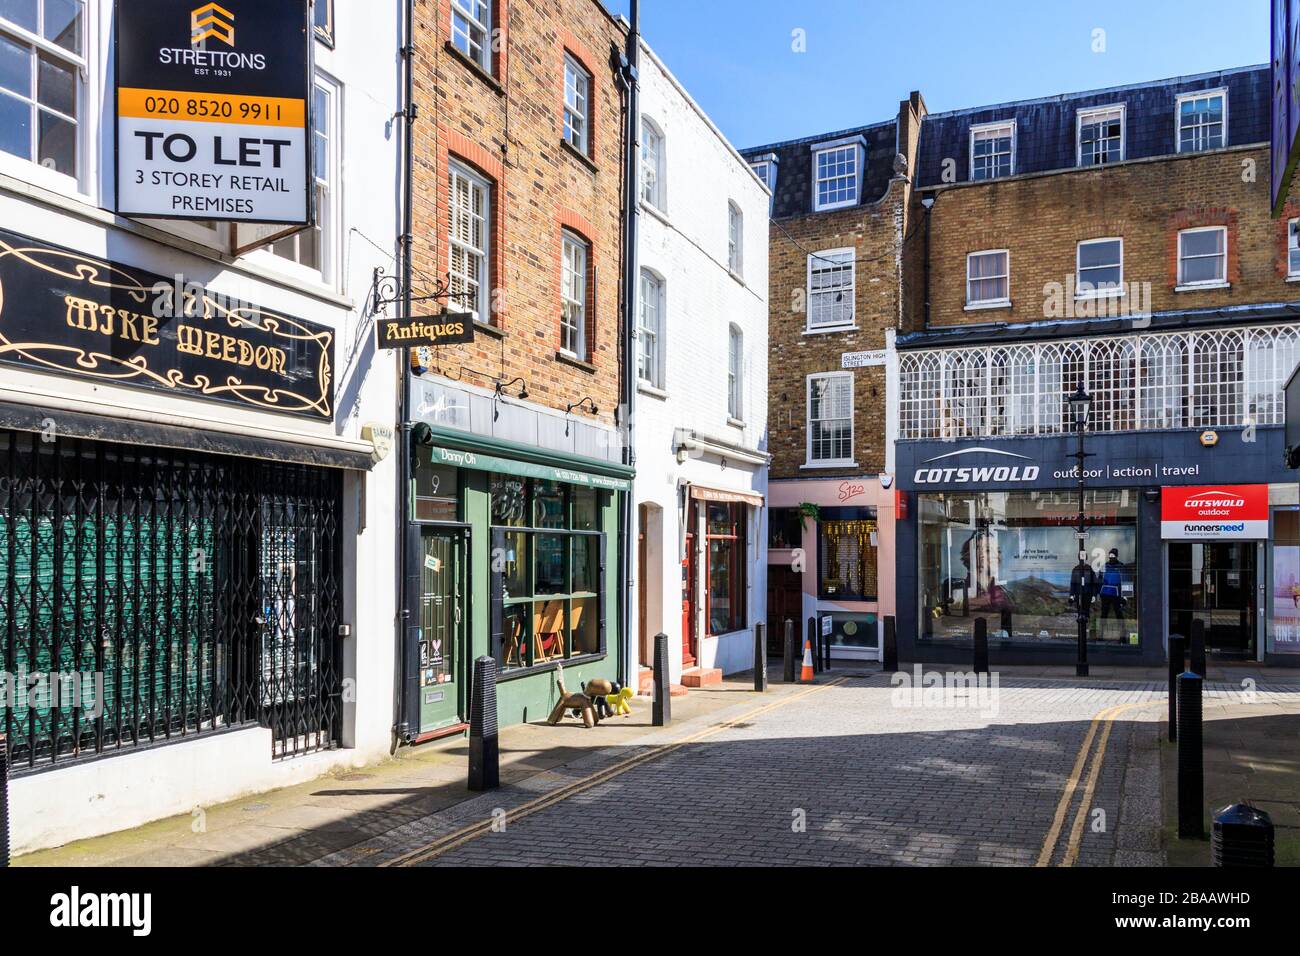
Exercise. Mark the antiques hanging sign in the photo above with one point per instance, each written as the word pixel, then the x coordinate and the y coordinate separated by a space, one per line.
pixel 64 312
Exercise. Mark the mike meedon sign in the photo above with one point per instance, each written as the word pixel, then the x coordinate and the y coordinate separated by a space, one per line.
pixel 67 313
pixel 408 332
pixel 212 110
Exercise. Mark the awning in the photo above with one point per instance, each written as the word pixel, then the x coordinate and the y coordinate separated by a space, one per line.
pixel 525 469
pixel 727 496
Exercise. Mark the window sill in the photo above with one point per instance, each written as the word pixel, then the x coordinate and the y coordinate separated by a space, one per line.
pixel 844 463
pixel 645 388
pixel 832 207
pixel 1293 278
pixel 735 275
pixel 1202 286
pixel 830 329
pixel 568 358
pixel 981 306
pixel 475 68
pixel 1109 294
pixel 487 328
pixel 518 672
pixel 735 422
pixel 579 155
pixel 655 211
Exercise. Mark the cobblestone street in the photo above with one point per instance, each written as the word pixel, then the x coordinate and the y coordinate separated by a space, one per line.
pixel 846 773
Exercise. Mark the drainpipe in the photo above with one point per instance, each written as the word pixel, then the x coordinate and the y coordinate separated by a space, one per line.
pixel 927 203
pixel 407 651
pixel 632 215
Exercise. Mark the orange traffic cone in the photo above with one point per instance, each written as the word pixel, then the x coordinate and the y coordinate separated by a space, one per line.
pixel 806 675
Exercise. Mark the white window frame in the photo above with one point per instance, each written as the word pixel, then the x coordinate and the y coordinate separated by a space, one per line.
pixel 1293 249
pixel 858 145
pixel 1079 292
pixel 87 126
pixel 483 279
pixel 461 10
pixel 988 303
pixel 651 131
pixel 735 239
pixel 1091 115
pixel 580 106
pixel 735 373
pixel 767 163
pixel 576 347
pixel 329 215
pixel 820 258
pixel 1178 116
pixel 989 128
pixel 809 461
pixel 651 353
pixel 1183 285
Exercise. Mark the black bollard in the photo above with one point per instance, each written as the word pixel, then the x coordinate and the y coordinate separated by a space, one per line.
pixel 484 749
pixel 789 651
pixel 826 652
pixel 4 801
pixel 981 646
pixel 890 655
pixel 1175 668
pixel 1197 648
pixel 1241 836
pixel 662 709
pixel 760 657
pixel 812 643
pixel 1191 783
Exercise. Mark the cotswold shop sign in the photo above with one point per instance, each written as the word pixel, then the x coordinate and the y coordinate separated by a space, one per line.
pixel 955 467
pixel 1214 513
pixel 70 314
pixel 212 110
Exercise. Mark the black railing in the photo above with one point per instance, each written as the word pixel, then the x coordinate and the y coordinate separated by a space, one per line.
pixel 151 594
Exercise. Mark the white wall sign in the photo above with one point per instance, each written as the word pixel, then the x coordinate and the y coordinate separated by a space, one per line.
pixel 213 118
pixel 863 359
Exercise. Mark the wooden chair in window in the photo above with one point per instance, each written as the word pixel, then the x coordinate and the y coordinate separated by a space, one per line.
pixel 548 634
pixel 514 640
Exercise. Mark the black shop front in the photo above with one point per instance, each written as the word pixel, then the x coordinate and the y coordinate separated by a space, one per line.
pixel 1181 526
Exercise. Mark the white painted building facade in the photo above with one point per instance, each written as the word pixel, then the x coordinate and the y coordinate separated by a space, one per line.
pixel 701 404
pixel 317 624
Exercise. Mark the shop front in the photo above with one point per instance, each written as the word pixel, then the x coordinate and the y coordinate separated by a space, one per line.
pixel 830 557
pixel 511 553
pixel 1181 526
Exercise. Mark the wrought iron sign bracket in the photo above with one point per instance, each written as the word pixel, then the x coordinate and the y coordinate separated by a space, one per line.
pixel 386 290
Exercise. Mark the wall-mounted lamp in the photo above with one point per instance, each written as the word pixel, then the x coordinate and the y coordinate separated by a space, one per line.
pixel 501 387
pixel 585 400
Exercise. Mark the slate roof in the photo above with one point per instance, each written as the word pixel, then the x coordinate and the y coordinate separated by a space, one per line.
pixel 793 193
pixel 1046 127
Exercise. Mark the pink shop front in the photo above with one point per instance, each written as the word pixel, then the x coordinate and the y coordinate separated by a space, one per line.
pixel 831 555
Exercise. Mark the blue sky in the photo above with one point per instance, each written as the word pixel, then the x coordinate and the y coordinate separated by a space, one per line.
pixel 863 56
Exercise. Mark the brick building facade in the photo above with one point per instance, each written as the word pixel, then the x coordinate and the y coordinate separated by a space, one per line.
pixel 518 177
pixel 840 211
pixel 1114 245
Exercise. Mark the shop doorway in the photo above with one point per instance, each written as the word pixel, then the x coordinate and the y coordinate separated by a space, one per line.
pixel 688 604
pixel 784 601
pixel 1217 583
pixel 443 592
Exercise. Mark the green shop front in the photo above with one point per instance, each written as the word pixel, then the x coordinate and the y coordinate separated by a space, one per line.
pixel 512 552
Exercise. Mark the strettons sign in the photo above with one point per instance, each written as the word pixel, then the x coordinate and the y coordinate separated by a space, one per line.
pixel 212 110
pixel 1214 512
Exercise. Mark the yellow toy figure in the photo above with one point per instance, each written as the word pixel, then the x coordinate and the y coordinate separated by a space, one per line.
pixel 618 703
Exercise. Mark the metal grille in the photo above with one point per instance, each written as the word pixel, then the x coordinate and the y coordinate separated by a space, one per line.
pixel 174 593
pixel 1210 379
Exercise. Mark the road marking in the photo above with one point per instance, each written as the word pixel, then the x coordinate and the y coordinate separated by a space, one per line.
pixel 473 831
pixel 1104 720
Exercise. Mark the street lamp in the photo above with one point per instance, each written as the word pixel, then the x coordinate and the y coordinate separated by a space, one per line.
pixel 1083 578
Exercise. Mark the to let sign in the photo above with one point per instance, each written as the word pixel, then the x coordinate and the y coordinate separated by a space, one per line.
pixel 213 118
pixel 1214 512
pixel 408 332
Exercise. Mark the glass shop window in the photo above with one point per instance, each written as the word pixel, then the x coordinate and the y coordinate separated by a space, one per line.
pixel 847 542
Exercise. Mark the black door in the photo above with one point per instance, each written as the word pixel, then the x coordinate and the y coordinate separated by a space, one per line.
pixel 1216 583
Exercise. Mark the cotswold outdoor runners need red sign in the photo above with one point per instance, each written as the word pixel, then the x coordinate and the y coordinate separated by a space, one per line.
pixel 1214 512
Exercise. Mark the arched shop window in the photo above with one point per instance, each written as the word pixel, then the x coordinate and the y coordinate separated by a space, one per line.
pixel 548 571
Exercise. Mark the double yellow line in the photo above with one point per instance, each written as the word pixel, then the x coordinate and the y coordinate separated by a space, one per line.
pixel 473 831
pixel 1103 721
